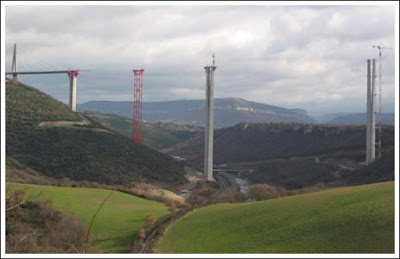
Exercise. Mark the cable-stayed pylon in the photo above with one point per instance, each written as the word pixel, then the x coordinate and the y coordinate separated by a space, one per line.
pixel 14 65
pixel 72 74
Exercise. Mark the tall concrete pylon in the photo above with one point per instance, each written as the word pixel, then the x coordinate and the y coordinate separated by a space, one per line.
pixel 209 131
pixel 14 64
pixel 73 74
pixel 371 114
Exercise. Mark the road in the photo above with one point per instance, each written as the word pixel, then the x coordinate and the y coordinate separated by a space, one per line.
pixel 343 167
pixel 184 193
pixel 146 246
pixel 148 241
pixel 224 183
pixel 192 182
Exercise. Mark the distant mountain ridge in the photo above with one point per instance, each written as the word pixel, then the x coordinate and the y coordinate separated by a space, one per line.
pixel 228 111
pixel 360 118
pixel 354 118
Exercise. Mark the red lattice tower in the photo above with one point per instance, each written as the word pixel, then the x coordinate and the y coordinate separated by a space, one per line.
pixel 137 106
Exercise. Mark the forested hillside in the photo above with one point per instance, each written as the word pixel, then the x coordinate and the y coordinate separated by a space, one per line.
pixel 43 134
pixel 156 135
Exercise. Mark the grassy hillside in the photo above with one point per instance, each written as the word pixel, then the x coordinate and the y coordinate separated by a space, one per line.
pixel 40 135
pixel 155 135
pixel 118 221
pixel 343 220
pixel 117 123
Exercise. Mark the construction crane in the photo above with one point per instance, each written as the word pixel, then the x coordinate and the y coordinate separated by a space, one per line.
pixel 137 105
pixel 379 142
pixel 213 57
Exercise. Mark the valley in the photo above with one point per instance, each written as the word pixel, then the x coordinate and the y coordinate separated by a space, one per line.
pixel 54 153
pixel 204 130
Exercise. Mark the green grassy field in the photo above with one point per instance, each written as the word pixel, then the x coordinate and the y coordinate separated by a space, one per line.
pixel 341 220
pixel 117 222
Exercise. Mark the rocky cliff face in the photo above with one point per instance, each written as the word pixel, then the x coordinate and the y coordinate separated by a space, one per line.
pixel 228 111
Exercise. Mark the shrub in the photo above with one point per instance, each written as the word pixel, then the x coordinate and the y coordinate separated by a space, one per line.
pixel 173 210
pixel 150 220
pixel 34 226
pixel 260 192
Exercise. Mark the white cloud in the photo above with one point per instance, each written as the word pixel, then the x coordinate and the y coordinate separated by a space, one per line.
pixel 309 57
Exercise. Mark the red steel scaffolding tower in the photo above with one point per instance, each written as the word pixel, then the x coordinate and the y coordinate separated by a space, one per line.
pixel 137 106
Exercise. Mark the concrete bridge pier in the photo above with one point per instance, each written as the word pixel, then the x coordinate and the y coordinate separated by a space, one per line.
pixel 371 115
pixel 209 131
pixel 209 134
pixel 73 75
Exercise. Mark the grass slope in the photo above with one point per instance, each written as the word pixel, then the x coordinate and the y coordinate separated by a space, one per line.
pixel 340 220
pixel 118 221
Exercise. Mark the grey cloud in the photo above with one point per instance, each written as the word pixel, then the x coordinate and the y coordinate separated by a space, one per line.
pixel 295 56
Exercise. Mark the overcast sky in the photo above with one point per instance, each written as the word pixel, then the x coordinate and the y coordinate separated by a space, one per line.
pixel 310 57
